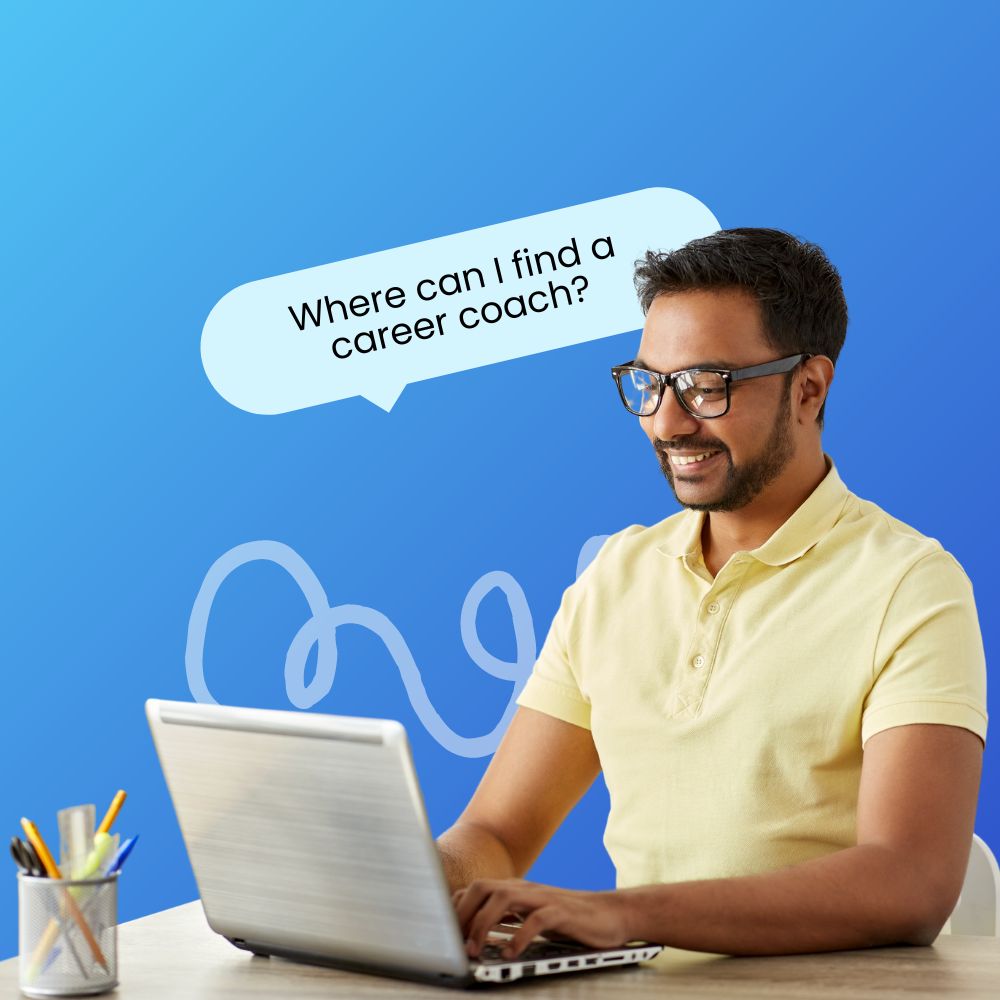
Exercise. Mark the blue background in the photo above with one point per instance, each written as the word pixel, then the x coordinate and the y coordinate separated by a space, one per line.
pixel 157 156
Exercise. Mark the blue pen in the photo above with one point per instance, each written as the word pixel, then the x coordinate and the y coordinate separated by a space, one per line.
pixel 121 855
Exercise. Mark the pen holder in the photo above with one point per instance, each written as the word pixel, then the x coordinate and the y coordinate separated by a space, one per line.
pixel 68 935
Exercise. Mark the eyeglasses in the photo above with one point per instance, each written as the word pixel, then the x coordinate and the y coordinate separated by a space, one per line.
pixel 703 392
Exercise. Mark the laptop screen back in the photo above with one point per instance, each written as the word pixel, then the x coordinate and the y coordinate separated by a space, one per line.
pixel 308 833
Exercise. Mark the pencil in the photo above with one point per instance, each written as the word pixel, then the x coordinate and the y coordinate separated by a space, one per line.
pixel 35 838
pixel 41 849
pixel 112 814
pixel 45 943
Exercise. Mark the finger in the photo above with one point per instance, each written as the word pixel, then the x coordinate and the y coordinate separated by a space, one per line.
pixel 545 918
pixel 487 917
pixel 472 897
pixel 506 896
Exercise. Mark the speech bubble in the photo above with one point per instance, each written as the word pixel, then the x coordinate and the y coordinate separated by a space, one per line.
pixel 372 325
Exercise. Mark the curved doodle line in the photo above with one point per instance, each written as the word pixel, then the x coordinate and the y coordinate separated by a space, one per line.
pixel 320 630
pixel 277 552
pixel 588 552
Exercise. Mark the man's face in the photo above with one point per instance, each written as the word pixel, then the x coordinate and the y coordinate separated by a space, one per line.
pixel 753 443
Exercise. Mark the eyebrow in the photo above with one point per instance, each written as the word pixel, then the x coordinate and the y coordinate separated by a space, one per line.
pixel 715 363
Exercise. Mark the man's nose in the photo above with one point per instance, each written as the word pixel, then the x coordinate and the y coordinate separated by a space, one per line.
pixel 671 420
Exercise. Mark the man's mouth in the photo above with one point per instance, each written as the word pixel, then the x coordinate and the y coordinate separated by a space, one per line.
pixel 679 460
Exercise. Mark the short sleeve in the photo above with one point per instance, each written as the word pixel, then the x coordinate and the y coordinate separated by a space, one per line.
pixel 929 663
pixel 553 687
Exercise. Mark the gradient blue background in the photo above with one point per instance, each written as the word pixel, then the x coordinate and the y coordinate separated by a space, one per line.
pixel 155 157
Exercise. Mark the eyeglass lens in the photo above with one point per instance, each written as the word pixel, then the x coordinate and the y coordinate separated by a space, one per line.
pixel 702 393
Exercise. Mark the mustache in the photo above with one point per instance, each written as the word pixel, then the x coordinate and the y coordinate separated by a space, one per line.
pixel 661 446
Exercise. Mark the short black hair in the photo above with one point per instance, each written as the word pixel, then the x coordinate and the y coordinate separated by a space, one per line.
pixel 801 299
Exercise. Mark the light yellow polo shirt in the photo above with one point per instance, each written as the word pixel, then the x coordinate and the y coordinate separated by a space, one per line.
pixel 730 714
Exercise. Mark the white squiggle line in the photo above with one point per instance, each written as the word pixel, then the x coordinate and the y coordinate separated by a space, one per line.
pixel 277 552
pixel 321 629
pixel 589 550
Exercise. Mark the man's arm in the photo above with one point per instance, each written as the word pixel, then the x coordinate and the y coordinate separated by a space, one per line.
pixel 916 810
pixel 540 771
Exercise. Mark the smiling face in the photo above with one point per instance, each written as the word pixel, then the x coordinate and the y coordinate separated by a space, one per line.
pixel 725 463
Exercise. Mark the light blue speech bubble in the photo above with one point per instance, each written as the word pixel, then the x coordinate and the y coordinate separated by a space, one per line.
pixel 372 325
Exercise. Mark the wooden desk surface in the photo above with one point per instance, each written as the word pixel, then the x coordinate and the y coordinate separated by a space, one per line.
pixel 174 954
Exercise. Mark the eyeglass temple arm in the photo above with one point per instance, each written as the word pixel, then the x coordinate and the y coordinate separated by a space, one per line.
pixel 768 368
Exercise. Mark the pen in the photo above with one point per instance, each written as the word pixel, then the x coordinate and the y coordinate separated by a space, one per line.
pixel 112 813
pixel 35 839
pixel 120 857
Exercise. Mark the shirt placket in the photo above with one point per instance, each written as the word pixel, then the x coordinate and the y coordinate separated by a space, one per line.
pixel 695 669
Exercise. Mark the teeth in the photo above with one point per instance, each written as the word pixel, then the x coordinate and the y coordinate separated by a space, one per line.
pixel 688 459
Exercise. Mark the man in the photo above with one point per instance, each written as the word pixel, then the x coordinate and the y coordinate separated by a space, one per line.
pixel 784 686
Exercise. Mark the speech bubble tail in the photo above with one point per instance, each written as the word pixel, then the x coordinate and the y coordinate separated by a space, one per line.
pixel 385 396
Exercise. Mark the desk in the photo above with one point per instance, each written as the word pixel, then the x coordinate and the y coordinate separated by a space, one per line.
pixel 174 954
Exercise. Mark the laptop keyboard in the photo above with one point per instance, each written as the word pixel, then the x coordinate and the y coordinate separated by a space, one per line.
pixel 490 954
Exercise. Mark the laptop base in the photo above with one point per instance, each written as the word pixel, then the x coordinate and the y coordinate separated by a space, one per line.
pixel 442 979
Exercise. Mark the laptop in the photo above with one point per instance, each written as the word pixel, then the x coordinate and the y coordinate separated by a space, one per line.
pixel 308 839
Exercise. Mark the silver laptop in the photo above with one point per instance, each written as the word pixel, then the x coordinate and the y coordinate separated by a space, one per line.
pixel 308 840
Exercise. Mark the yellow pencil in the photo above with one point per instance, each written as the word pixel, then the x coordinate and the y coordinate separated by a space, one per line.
pixel 112 814
pixel 35 838
pixel 44 855
pixel 45 943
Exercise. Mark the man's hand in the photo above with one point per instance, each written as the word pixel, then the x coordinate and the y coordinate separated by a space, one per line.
pixel 598 919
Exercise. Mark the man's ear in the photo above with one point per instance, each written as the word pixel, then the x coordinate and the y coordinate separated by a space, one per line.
pixel 813 386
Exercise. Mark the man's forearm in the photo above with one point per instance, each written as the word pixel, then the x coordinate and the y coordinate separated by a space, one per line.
pixel 469 852
pixel 856 898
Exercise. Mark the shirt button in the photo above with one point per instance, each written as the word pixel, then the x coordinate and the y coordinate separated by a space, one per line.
pixel 713 608
pixel 698 662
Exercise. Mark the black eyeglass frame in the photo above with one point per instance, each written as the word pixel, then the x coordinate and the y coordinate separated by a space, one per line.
pixel 729 376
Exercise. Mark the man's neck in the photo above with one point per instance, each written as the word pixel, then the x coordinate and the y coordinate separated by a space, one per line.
pixel 726 532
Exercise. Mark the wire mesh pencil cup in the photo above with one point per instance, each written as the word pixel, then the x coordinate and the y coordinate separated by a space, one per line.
pixel 67 935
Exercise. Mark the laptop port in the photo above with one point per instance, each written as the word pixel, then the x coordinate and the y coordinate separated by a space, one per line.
pixel 528 970
pixel 505 973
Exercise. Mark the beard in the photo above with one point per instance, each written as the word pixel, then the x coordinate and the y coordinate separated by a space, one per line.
pixel 745 482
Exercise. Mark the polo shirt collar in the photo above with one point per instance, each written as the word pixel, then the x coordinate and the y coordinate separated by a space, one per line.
pixel 818 513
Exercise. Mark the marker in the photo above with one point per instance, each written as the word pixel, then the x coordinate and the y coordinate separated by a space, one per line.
pixel 104 847
pixel 35 839
pixel 112 814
